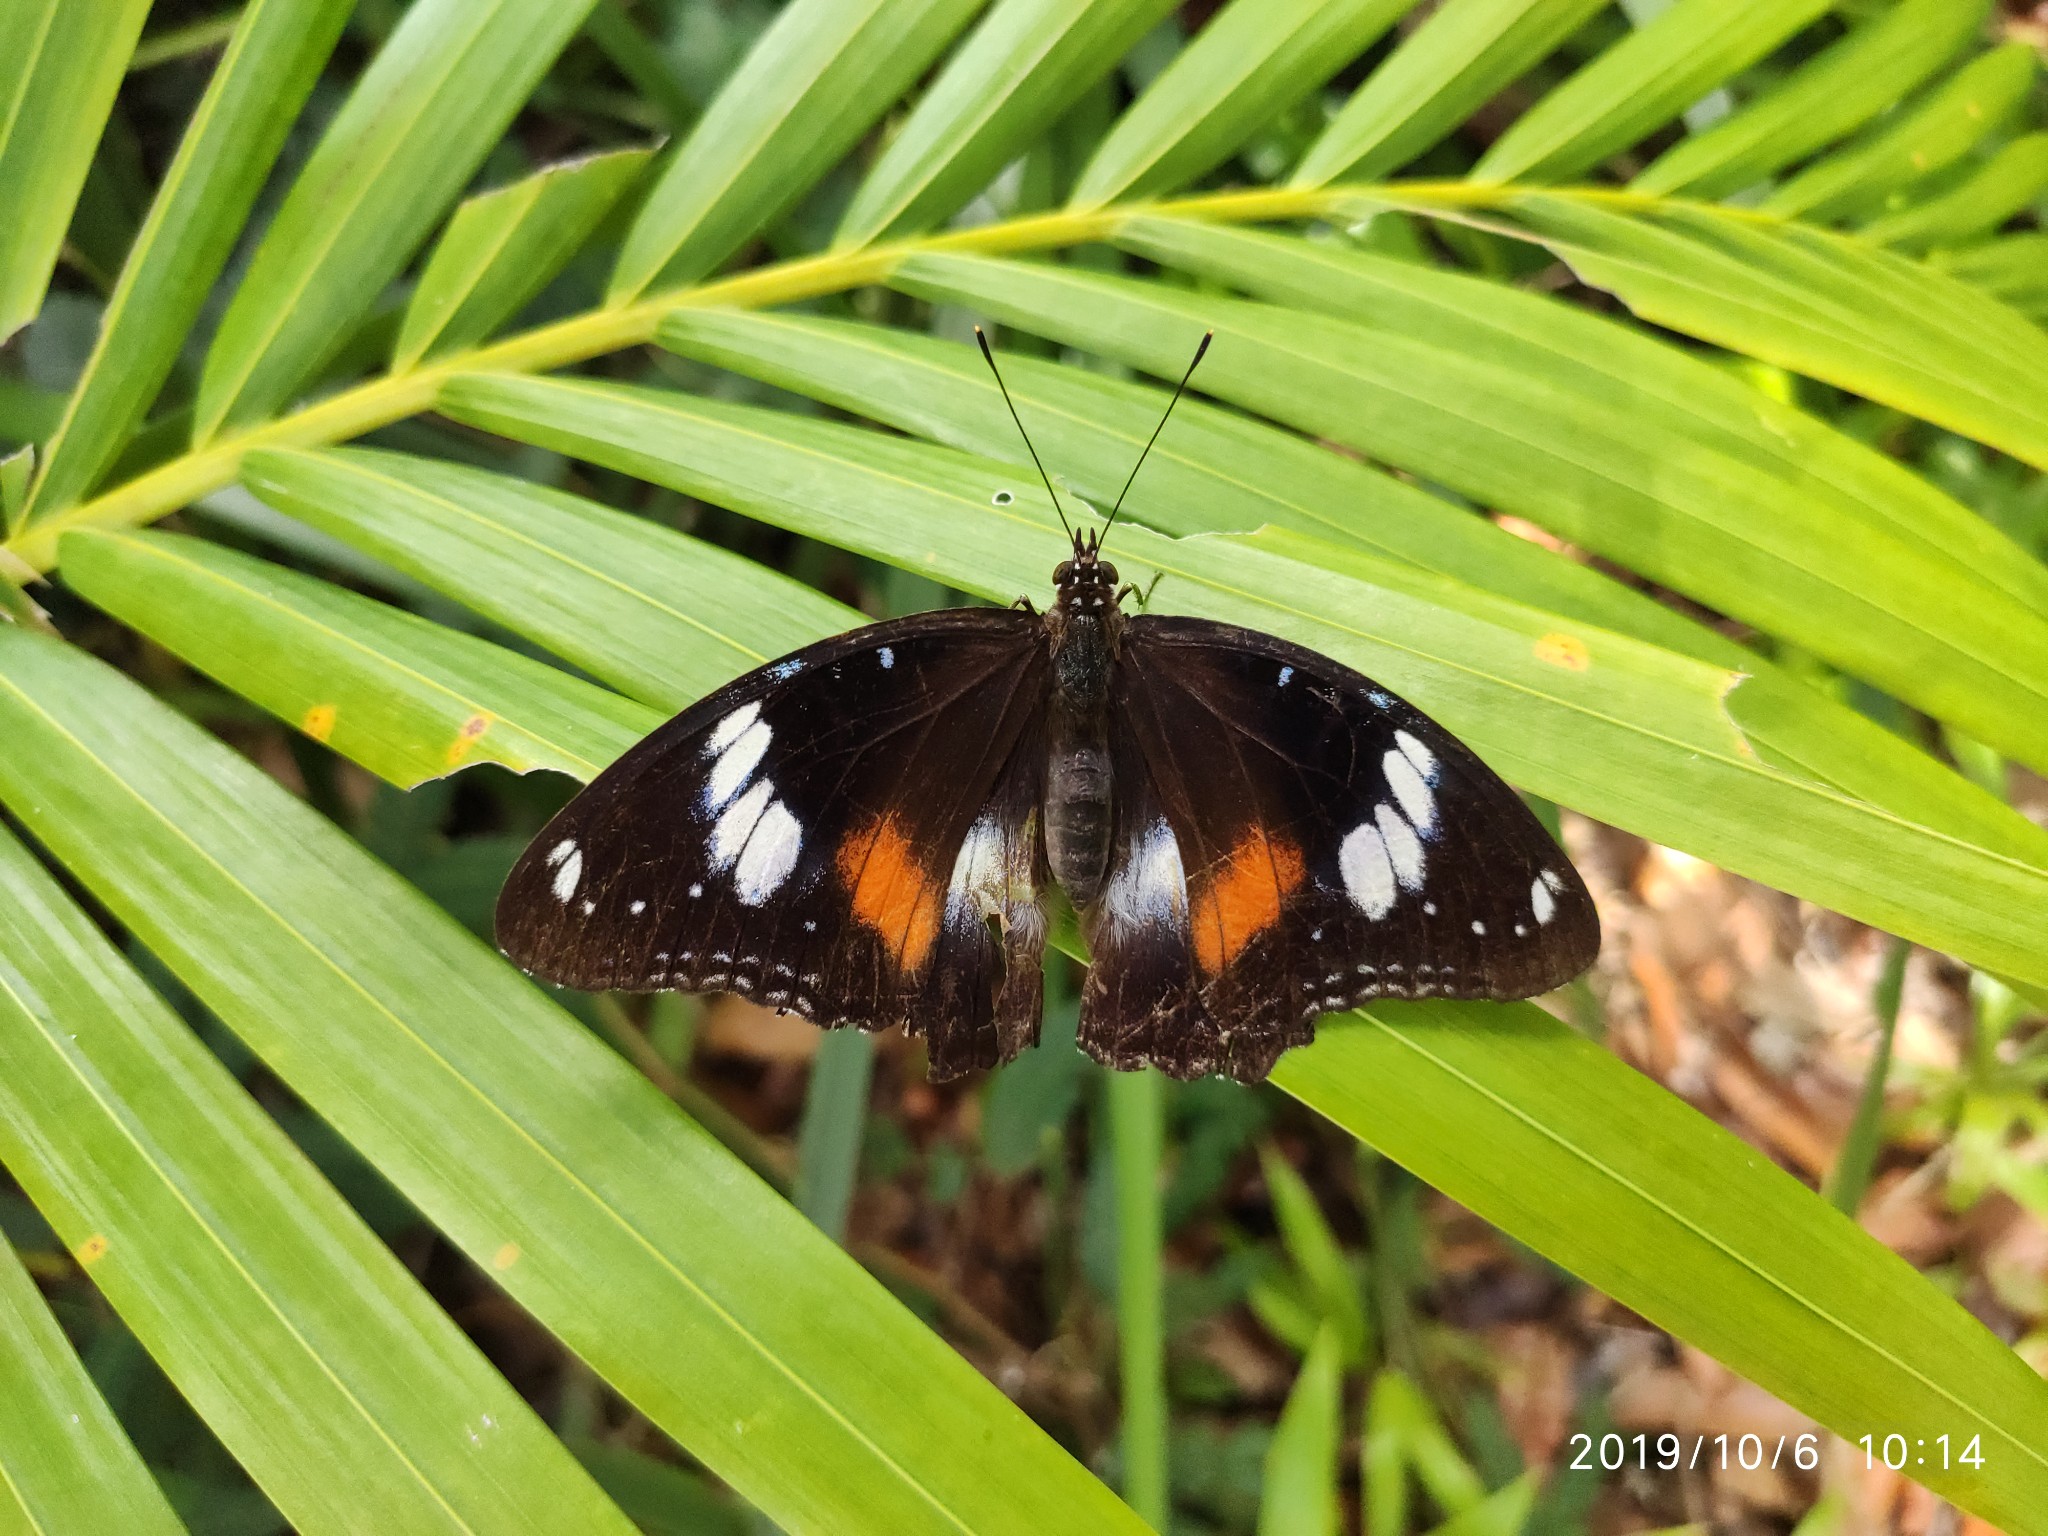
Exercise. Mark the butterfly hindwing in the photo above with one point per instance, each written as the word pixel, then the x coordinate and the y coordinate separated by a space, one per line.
pixel 849 833
pixel 1334 844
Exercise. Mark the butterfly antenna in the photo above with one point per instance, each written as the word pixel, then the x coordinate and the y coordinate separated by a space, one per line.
pixel 1207 337
pixel 983 339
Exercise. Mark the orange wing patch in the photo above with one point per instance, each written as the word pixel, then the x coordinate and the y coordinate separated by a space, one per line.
pixel 1242 896
pixel 891 892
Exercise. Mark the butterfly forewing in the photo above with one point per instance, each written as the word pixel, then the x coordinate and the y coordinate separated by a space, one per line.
pixel 1334 845
pixel 849 834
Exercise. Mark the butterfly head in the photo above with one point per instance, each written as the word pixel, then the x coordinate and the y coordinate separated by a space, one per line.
pixel 1086 582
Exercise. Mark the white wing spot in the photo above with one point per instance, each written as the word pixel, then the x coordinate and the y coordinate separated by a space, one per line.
pixel 569 876
pixel 810 927
pixel 730 833
pixel 770 855
pixel 1521 931
pixel 1404 849
pixel 1151 886
pixel 1416 753
pixel 1411 789
pixel 728 729
pixel 561 851
pixel 696 890
pixel 637 908
pixel 1316 937
pixel 1429 907
pixel 887 654
pixel 1285 674
pixel 589 907
pixel 1368 874
pixel 736 764
pixel 1479 928
pixel 1380 700
pixel 1553 879
pixel 1541 902
pixel 783 671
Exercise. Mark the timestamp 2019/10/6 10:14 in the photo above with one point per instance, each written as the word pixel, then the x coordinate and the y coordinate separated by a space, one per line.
pixel 1669 1452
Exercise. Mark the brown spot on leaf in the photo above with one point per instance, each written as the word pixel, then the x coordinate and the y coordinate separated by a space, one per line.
pixel 1567 651
pixel 318 722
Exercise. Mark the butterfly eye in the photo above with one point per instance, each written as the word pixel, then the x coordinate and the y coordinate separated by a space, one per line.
pixel 1066 569
pixel 1108 574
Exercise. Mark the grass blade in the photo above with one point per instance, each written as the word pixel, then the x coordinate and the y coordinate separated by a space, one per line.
pixel 273 57
pixel 1299 1497
pixel 2006 184
pixel 1137 1132
pixel 1830 306
pixel 353 1400
pixel 2013 268
pixel 1932 134
pixel 1641 83
pixel 364 678
pixel 821 75
pixel 65 1465
pixel 416 126
pixel 659 616
pixel 1830 95
pixel 1611 439
pixel 726 1317
pixel 1459 58
pixel 1250 63
pixel 64 64
pixel 829 1136
pixel 504 246
pixel 1027 62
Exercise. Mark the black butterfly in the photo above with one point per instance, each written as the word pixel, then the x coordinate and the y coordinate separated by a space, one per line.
pixel 861 833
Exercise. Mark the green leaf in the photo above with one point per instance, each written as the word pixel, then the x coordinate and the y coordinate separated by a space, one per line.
pixel 2014 268
pixel 1504 1512
pixel 1935 132
pixel 64 62
pixel 1214 471
pixel 1515 1116
pixel 1834 92
pixel 661 617
pixel 64 1463
pixel 417 124
pixel 2006 184
pixel 1402 1431
pixel 1831 306
pixel 15 469
pixel 273 57
pixel 819 78
pixel 1634 736
pixel 1250 63
pixel 504 246
pixel 1299 1497
pixel 724 1316
pixel 1640 84
pixel 375 683
pixel 1458 59
pixel 1025 64
pixel 1615 441
pixel 351 1397
pixel 1316 1253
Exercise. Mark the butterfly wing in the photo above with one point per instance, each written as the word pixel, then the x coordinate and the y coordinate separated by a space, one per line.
pixel 1292 839
pixel 849 833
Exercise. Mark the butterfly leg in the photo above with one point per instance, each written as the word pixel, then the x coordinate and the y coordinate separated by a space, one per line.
pixel 1143 594
pixel 1025 605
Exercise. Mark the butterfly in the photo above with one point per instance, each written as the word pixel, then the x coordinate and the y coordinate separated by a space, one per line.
pixel 863 833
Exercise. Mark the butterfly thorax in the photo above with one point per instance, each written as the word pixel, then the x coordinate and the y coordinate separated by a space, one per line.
pixel 1082 630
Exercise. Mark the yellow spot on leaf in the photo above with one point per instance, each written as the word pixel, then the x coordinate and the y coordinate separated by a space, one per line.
pixel 1567 651
pixel 505 1257
pixel 319 721
pixel 466 738
pixel 92 1250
